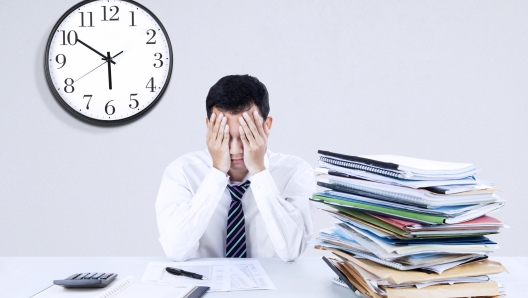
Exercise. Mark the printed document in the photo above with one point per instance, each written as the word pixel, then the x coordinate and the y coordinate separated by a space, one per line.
pixel 223 275
pixel 217 273
pixel 248 274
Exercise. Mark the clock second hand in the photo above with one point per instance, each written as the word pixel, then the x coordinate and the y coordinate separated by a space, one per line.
pixel 98 66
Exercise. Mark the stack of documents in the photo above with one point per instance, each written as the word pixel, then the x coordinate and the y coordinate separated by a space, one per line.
pixel 409 227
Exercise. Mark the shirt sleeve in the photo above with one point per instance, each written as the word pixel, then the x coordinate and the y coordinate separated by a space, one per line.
pixel 289 218
pixel 183 216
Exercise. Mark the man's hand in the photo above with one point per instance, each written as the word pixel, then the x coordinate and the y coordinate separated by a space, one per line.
pixel 217 140
pixel 254 136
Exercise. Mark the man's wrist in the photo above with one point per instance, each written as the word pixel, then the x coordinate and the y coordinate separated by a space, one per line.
pixel 256 170
pixel 220 169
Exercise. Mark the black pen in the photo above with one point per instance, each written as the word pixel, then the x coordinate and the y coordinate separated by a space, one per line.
pixel 177 271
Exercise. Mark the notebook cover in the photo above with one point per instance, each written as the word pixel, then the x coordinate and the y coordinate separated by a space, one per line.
pixel 198 292
pixel 362 193
pixel 371 162
pixel 431 219
pixel 340 274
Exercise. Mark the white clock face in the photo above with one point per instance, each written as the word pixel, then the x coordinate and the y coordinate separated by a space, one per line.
pixel 91 84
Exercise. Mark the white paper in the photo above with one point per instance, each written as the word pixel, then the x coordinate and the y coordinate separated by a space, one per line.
pixel 252 270
pixel 218 274
pixel 223 275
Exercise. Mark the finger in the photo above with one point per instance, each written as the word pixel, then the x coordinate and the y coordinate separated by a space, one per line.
pixel 251 125
pixel 259 121
pixel 210 123
pixel 225 141
pixel 221 129
pixel 247 130
pixel 243 137
pixel 217 126
pixel 266 130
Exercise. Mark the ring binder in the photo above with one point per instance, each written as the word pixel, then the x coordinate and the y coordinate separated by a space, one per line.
pixel 362 167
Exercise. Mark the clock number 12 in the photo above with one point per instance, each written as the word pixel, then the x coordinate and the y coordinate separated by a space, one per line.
pixel 111 10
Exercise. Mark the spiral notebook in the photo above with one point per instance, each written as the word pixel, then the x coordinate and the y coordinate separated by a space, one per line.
pixel 126 287
pixel 399 167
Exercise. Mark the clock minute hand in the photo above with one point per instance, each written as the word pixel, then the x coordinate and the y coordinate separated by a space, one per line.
pixel 84 44
pixel 108 59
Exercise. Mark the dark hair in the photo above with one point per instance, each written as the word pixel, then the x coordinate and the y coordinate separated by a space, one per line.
pixel 237 93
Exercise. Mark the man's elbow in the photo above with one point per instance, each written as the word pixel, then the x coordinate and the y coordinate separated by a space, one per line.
pixel 290 256
pixel 176 252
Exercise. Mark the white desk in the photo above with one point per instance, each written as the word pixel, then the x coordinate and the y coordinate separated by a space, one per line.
pixel 306 277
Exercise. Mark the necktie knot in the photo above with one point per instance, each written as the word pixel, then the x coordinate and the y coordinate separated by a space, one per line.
pixel 237 191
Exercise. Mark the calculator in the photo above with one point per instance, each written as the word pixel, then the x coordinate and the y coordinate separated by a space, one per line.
pixel 87 280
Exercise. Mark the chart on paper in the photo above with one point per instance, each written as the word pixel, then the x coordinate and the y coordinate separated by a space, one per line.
pixel 249 275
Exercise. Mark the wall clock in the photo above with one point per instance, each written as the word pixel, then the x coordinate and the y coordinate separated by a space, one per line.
pixel 108 61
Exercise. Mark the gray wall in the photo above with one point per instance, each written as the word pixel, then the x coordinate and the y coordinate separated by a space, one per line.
pixel 444 80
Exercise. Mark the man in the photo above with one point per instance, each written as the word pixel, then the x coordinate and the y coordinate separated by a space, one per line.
pixel 236 199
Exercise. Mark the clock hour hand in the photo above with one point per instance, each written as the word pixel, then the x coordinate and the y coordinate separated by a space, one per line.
pixel 84 44
pixel 104 58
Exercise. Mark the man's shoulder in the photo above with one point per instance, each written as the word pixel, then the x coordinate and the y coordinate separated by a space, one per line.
pixel 287 160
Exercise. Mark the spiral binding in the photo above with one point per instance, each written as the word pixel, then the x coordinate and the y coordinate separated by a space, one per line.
pixel 339 282
pixel 388 194
pixel 361 167
pixel 117 288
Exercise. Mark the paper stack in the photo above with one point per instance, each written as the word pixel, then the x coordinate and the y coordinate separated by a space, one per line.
pixel 409 227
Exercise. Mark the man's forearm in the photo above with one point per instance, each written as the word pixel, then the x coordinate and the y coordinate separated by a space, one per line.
pixel 182 225
pixel 285 222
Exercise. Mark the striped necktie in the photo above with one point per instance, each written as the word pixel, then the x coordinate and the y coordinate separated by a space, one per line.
pixel 236 230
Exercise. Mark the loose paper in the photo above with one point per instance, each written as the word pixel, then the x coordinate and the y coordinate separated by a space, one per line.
pixel 217 274
pixel 223 275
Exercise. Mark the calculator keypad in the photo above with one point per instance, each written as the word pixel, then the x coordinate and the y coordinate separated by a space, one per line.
pixel 91 276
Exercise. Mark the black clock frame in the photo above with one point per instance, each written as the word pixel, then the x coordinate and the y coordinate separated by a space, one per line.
pixel 72 110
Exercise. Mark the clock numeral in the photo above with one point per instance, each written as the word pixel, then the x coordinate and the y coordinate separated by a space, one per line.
pixel 132 99
pixel 133 25
pixel 153 34
pixel 63 62
pixel 68 37
pixel 151 83
pixel 108 106
pixel 82 19
pixel 69 85
pixel 89 98
pixel 158 59
pixel 111 9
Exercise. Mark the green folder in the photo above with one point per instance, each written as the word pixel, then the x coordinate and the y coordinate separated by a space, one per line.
pixel 426 218
pixel 372 220
pixel 402 233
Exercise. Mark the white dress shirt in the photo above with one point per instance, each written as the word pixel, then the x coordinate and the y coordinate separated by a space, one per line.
pixel 193 202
